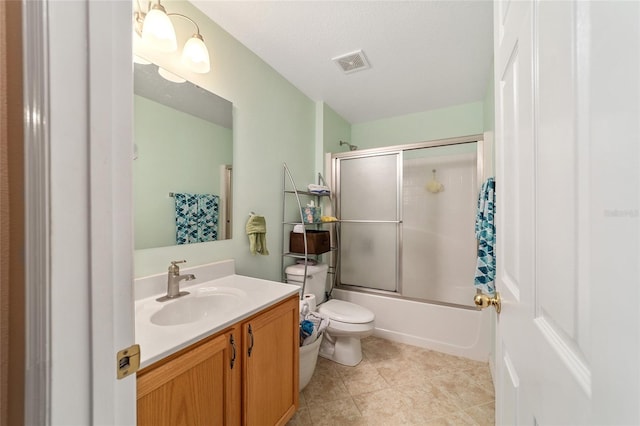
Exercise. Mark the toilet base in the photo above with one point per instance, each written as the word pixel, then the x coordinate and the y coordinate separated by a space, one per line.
pixel 343 350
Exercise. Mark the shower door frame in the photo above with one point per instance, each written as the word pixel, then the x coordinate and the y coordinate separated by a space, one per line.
pixel 397 149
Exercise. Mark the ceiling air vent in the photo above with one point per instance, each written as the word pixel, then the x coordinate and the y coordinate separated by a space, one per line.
pixel 352 62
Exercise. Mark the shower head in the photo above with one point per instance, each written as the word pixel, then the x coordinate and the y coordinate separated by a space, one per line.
pixel 351 147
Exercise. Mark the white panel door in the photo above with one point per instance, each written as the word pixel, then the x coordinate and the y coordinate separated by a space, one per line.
pixel 568 185
pixel 88 122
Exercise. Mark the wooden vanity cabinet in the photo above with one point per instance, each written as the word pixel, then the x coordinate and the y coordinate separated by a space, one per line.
pixel 195 387
pixel 270 365
pixel 198 385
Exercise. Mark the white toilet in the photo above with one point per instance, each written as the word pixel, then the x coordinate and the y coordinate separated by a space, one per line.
pixel 348 322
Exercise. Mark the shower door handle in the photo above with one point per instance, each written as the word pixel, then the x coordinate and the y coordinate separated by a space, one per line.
pixel 484 301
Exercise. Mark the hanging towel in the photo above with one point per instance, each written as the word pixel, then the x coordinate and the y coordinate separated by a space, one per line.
pixel 257 232
pixel 486 235
pixel 186 218
pixel 208 214
pixel 196 217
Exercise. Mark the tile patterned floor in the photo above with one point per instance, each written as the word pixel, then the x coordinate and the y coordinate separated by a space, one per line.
pixel 397 384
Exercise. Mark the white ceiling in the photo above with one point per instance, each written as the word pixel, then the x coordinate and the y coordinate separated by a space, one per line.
pixel 423 54
pixel 185 97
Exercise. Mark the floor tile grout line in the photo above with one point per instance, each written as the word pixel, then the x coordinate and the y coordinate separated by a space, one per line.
pixel 404 352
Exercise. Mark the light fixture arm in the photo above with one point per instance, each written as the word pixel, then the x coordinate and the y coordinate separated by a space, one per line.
pixel 140 15
pixel 188 19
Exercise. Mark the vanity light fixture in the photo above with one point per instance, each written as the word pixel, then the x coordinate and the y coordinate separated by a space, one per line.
pixel 195 54
pixel 156 29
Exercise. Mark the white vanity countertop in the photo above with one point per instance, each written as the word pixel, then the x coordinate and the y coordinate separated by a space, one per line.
pixel 253 295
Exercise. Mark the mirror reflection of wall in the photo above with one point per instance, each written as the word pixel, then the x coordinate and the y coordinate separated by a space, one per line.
pixel 184 144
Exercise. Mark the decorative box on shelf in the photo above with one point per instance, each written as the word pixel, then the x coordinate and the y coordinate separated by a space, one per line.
pixel 311 214
pixel 318 242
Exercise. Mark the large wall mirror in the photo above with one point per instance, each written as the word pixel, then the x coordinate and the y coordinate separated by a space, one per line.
pixel 183 162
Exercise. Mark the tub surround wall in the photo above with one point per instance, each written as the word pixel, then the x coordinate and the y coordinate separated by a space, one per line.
pixel 438 239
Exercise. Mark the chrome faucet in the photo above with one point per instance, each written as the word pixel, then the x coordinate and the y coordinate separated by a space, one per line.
pixel 173 282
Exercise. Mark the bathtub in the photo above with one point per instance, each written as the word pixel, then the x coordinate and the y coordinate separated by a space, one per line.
pixel 455 331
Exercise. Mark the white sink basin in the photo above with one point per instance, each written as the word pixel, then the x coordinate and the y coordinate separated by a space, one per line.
pixel 200 304
pixel 163 328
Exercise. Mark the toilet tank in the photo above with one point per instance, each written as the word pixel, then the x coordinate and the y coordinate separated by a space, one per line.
pixel 316 278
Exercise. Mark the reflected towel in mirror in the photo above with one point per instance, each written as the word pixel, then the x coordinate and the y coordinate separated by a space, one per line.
pixel 196 217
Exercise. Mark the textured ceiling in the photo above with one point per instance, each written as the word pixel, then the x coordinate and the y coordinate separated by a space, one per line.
pixel 185 97
pixel 423 54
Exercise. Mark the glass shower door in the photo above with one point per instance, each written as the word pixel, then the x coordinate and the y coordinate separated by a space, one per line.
pixel 369 209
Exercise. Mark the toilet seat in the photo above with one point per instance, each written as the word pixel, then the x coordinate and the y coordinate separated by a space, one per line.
pixel 339 328
pixel 348 323
pixel 346 312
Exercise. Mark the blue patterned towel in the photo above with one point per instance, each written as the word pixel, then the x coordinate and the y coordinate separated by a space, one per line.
pixel 196 217
pixel 208 214
pixel 486 235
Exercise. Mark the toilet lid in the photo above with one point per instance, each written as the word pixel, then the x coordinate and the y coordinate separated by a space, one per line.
pixel 340 310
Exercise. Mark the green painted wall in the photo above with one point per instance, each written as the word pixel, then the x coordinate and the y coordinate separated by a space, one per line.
pixel 177 152
pixel 336 129
pixel 459 120
pixel 273 123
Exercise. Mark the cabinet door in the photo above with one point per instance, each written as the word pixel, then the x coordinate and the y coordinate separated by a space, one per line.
pixel 198 387
pixel 270 365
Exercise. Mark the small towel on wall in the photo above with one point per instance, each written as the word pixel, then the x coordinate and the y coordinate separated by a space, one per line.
pixel 257 232
pixel 196 217
pixel 486 234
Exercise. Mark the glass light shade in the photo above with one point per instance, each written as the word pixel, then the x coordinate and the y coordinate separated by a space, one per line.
pixel 138 60
pixel 158 30
pixel 170 76
pixel 195 55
